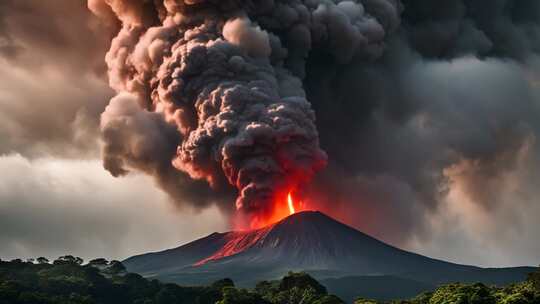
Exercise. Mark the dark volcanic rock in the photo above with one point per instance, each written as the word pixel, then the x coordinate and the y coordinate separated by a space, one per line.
pixel 307 241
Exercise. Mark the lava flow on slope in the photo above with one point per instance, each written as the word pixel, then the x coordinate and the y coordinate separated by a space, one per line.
pixel 304 241
pixel 239 241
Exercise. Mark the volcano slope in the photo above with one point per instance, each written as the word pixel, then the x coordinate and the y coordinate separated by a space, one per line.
pixel 310 241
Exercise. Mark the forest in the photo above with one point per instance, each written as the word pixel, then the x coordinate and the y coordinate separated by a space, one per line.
pixel 68 280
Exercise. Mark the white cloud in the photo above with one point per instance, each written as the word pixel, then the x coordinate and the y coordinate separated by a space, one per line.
pixel 50 207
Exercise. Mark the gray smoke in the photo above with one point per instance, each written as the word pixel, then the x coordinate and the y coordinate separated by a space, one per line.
pixel 417 103
pixel 52 78
pixel 214 89
pixel 450 108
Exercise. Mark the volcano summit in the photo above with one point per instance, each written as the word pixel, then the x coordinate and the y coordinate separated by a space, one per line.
pixel 310 241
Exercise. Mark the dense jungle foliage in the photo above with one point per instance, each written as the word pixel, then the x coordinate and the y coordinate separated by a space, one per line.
pixel 68 281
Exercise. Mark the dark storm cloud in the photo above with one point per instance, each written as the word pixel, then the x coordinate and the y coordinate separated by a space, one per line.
pixel 52 81
pixel 457 87
pixel 484 111
pixel 488 28
pixel 63 32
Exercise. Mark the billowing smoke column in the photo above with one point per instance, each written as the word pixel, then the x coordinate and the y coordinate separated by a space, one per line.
pixel 445 121
pixel 212 89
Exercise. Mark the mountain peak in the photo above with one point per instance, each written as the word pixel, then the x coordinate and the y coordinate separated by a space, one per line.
pixel 241 241
pixel 310 216
pixel 313 218
pixel 305 241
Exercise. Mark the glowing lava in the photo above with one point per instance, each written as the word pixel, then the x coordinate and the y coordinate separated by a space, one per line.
pixel 290 202
pixel 284 206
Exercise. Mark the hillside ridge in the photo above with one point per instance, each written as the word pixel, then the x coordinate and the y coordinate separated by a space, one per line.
pixel 306 241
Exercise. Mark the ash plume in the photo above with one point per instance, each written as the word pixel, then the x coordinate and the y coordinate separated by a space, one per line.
pixel 212 90
pixel 420 106
pixel 446 120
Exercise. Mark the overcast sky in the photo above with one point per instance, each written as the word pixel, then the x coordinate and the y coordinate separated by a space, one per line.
pixel 56 198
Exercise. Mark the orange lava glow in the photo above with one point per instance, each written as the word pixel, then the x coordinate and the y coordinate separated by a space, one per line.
pixel 290 203
pixel 284 205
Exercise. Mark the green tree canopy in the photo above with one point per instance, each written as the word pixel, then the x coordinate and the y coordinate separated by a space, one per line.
pixel 301 280
pixel 68 259
pixel 42 260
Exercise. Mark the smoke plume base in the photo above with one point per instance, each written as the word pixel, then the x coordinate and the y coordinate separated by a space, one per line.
pixel 222 82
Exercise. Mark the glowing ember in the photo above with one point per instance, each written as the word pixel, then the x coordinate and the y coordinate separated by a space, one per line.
pixel 284 205
pixel 290 202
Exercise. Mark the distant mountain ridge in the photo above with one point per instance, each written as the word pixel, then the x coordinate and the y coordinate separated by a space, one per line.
pixel 313 242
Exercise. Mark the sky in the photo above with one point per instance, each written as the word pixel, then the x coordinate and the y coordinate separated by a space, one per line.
pixel 56 197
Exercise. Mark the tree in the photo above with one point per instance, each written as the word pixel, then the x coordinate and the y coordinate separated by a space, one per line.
pixel 267 290
pixel 116 267
pixel 534 278
pixel 329 299
pixel 301 280
pixel 220 284
pixel 297 295
pixel 68 259
pixel 165 296
pixel 42 260
pixel 232 295
pixel 365 301
pixel 100 263
pixel 461 293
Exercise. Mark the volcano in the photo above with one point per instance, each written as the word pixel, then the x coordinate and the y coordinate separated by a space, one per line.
pixel 341 257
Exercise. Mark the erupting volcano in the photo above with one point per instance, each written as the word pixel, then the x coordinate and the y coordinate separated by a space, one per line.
pixel 308 241
pixel 212 91
pixel 222 102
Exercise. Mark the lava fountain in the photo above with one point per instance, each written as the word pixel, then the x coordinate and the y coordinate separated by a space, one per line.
pixel 283 206
pixel 290 204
